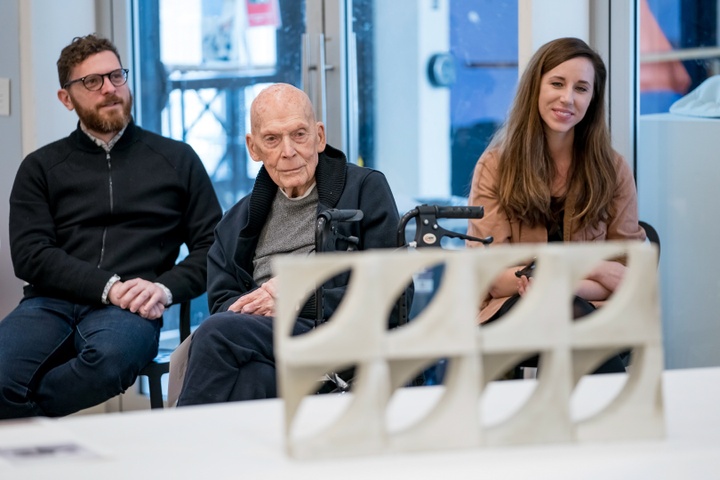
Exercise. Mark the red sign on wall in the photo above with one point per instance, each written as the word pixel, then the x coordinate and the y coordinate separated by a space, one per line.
pixel 263 13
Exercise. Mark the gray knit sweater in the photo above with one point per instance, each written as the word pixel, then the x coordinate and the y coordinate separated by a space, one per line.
pixel 289 229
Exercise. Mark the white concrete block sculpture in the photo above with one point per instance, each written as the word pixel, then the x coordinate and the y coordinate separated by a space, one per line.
pixel 540 323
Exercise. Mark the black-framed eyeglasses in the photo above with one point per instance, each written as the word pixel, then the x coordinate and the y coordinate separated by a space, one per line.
pixel 95 81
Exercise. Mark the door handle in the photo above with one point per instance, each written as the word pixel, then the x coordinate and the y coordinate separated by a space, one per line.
pixel 314 70
pixel 353 107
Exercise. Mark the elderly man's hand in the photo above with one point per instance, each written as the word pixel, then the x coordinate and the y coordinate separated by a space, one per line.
pixel 139 296
pixel 257 302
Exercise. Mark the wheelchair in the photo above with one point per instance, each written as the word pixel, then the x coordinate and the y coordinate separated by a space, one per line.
pixel 427 234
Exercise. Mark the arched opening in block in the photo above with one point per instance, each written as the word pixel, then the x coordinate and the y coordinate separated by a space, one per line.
pixel 597 287
pixel 337 380
pixel 426 283
pixel 510 365
pixel 597 290
pixel 497 407
pixel 504 310
pixel 326 299
pixel 586 401
pixel 409 372
pixel 318 413
pixel 507 290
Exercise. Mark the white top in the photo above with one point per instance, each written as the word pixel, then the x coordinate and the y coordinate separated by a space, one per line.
pixel 244 440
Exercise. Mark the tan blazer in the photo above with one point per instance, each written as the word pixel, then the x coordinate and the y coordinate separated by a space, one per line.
pixel 623 226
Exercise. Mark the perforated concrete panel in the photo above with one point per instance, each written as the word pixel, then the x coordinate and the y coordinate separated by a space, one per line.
pixel 540 323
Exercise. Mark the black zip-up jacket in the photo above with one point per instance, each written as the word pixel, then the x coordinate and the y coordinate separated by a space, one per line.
pixel 78 215
pixel 340 185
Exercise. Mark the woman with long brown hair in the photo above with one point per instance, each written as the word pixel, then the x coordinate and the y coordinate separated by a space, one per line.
pixel 550 173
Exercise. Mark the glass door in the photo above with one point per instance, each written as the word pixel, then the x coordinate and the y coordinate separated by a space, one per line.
pixel 198 64
pixel 202 62
pixel 414 88
pixel 677 167
pixel 329 74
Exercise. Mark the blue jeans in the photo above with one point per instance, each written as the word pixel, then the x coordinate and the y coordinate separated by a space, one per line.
pixel 231 358
pixel 59 357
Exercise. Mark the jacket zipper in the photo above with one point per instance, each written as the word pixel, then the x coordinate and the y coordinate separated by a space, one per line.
pixel 110 184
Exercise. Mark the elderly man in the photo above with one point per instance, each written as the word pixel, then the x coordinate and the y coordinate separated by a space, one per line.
pixel 96 224
pixel 231 354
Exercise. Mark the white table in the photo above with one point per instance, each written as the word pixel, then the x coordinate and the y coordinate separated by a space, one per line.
pixel 244 440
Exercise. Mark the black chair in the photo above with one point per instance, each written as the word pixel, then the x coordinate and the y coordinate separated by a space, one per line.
pixel 428 233
pixel 160 365
pixel 652 235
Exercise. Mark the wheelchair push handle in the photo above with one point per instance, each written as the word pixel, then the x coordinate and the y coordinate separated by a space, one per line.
pixel 456 212
pixel 429 233
pixel 341 215
pixel 326 229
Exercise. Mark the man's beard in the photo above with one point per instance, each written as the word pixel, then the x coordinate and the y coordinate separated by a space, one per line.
pixel 108 122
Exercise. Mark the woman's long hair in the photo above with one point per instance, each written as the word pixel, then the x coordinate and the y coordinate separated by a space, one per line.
pixel 526 170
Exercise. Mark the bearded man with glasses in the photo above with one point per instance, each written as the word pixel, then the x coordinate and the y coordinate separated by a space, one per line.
pixel 97 220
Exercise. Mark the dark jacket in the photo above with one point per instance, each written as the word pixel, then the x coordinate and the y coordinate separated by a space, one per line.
pixel 340 185
pixel 79 215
